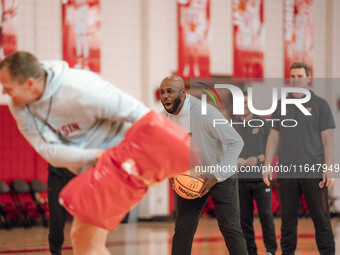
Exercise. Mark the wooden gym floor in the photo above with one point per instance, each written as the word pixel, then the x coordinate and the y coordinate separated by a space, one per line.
pixel 153 238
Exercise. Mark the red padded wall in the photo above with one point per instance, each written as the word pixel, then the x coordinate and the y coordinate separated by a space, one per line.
pixel 17 158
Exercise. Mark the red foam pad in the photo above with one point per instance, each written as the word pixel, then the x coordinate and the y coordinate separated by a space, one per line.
pixel 154 148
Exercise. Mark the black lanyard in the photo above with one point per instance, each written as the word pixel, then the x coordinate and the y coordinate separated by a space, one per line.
pixel 44 121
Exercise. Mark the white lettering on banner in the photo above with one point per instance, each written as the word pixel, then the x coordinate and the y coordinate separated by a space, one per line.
pixel 288 19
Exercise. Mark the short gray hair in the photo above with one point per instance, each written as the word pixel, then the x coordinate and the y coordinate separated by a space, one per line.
pixel 296 65
pixel 23 65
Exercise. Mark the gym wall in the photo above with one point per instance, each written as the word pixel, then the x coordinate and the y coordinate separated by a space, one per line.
pixel 139 48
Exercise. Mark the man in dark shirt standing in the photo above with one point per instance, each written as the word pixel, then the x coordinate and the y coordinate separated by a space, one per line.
pixel 251 185
pixel 308 145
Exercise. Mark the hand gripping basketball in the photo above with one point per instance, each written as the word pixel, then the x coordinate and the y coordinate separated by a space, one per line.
pixel 188 186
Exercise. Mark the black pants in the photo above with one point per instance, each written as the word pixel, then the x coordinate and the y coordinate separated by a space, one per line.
pixel 57 179
pixel 259 191
pixel 317 200
pixel 225 198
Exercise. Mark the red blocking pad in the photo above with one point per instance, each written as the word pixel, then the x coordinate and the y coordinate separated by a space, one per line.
pixel 154 149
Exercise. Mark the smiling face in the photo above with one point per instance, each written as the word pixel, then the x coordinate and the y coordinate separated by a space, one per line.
pixel 20 94
pixel 172 95
pixel 22 78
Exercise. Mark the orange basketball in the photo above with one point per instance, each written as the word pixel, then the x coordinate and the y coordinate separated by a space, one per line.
pixel 188 186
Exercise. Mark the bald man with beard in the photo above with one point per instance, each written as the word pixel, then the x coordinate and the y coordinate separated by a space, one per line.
pixel 220 145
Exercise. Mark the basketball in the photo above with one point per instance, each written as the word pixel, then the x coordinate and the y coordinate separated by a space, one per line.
pixel 188 186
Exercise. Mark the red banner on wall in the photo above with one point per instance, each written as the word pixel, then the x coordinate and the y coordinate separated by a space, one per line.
pixel 298 33
pixel 8 27
pixel 193 38
pixel 81 33
pixel 249 38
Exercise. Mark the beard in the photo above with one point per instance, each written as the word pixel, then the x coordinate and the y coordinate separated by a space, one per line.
pixel 175 105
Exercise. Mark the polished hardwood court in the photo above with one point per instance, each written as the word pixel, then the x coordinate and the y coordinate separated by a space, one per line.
pixel 154 238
